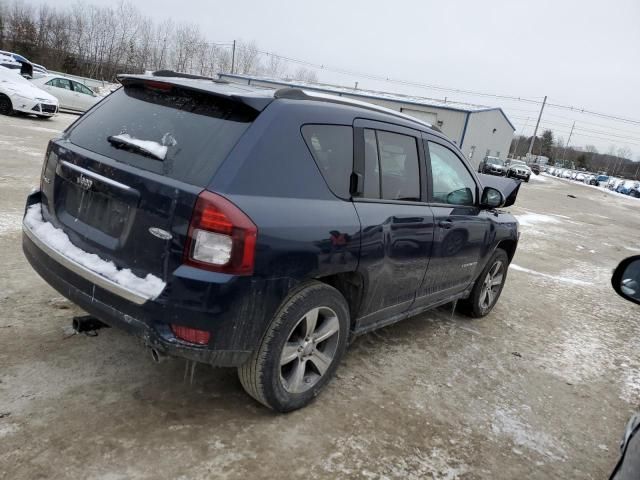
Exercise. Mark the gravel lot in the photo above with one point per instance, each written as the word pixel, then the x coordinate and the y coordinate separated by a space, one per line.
pixel 541 388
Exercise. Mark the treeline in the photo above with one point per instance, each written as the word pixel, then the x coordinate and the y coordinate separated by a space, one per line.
pixel 100 42
pixel 616 161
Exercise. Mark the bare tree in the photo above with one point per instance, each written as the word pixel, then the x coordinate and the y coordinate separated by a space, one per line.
pixel 303 74
pixel 275 67
pixel 101 41
pixel 247 61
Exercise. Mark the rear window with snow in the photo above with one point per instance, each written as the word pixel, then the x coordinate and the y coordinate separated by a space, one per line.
pixel 178 133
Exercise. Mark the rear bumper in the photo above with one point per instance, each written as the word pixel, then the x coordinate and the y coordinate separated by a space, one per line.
pixel 80 270
pixel 158 336
pixel 236 310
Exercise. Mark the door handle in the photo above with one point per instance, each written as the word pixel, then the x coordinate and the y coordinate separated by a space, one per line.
pixel 446 224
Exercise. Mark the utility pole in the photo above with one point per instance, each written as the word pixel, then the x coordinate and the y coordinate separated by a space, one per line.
pixel 535 132
pixel 568 140
pixel 233 57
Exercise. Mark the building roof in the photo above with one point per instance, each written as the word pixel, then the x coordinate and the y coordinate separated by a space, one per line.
pixel 373 94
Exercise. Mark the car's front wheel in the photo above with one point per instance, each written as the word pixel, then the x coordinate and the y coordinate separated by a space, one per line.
pixel 6 107
pixel 488 286
pixel 300 350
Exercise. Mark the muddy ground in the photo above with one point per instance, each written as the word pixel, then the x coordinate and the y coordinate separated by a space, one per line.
pixel 541 388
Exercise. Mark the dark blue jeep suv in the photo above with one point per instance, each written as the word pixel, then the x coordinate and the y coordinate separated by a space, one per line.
pixel 262 230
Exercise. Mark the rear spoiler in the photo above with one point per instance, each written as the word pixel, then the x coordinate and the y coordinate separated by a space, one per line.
pixel 201 84
pixel 507 186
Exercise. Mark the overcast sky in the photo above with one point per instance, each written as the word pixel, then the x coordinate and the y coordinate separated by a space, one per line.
pixel 584 53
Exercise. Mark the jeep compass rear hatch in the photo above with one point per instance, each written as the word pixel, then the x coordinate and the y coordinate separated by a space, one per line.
pixel 123 181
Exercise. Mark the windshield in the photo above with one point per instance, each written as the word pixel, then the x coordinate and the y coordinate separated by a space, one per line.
pixel 495 161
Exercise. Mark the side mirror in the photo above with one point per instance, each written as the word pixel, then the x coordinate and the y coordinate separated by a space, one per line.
pixel 626 279
pixel 491 198
pixel 462 196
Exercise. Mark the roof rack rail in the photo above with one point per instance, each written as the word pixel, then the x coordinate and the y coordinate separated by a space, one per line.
pixel 292 93
pixel 171 73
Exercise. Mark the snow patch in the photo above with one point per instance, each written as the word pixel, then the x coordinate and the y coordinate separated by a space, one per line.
pixel 154 148
pixel 537 178
pixel 150 286
pixel 573 281
pixel 8 429
pixel 506 423
pixel 351 458
pixel 531 219
pixel 9 222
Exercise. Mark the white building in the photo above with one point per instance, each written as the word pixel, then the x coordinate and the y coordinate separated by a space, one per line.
pixel 477 130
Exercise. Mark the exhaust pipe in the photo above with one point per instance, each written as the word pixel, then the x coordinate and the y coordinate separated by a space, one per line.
pixel 157 356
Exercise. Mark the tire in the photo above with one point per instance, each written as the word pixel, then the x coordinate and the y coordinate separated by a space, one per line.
pixel 6 107
pixel 296 382
pixel 44 117
pixel 476 306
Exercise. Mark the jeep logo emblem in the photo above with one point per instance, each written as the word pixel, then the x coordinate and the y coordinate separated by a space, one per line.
pixel 84 182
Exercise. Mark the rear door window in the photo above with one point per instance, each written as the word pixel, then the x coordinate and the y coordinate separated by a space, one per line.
pixel 197 129
pixel 332 149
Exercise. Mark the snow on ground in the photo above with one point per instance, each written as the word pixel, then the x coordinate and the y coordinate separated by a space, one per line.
pixel 506 422
pixel 56 239
pixel 537 178
pixel 571 280
pixel 601 188
pixel 10 222
pixel 106 89
pixel 531 219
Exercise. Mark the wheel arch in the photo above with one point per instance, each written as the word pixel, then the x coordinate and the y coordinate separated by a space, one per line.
pixel 508 246
pixel 351 286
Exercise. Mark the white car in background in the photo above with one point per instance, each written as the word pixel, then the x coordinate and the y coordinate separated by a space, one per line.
pixel 17 94
pixel 71 94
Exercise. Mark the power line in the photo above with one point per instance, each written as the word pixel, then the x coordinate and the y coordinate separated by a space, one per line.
pixel 623 137
pixel 453 90
pixel 398 81
pixel 594 137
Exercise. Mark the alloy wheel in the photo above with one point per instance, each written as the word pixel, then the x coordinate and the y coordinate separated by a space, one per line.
pixel 309 350
pixel 491 285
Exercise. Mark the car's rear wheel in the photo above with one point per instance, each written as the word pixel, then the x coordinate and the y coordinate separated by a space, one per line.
pixel 300 350
pixel 488 286
pixel 6 107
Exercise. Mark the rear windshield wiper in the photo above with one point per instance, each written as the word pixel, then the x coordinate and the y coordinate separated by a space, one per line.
pixel 147 148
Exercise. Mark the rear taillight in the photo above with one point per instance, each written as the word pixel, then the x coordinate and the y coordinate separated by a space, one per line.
pixel 191 335
pixel 221 237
